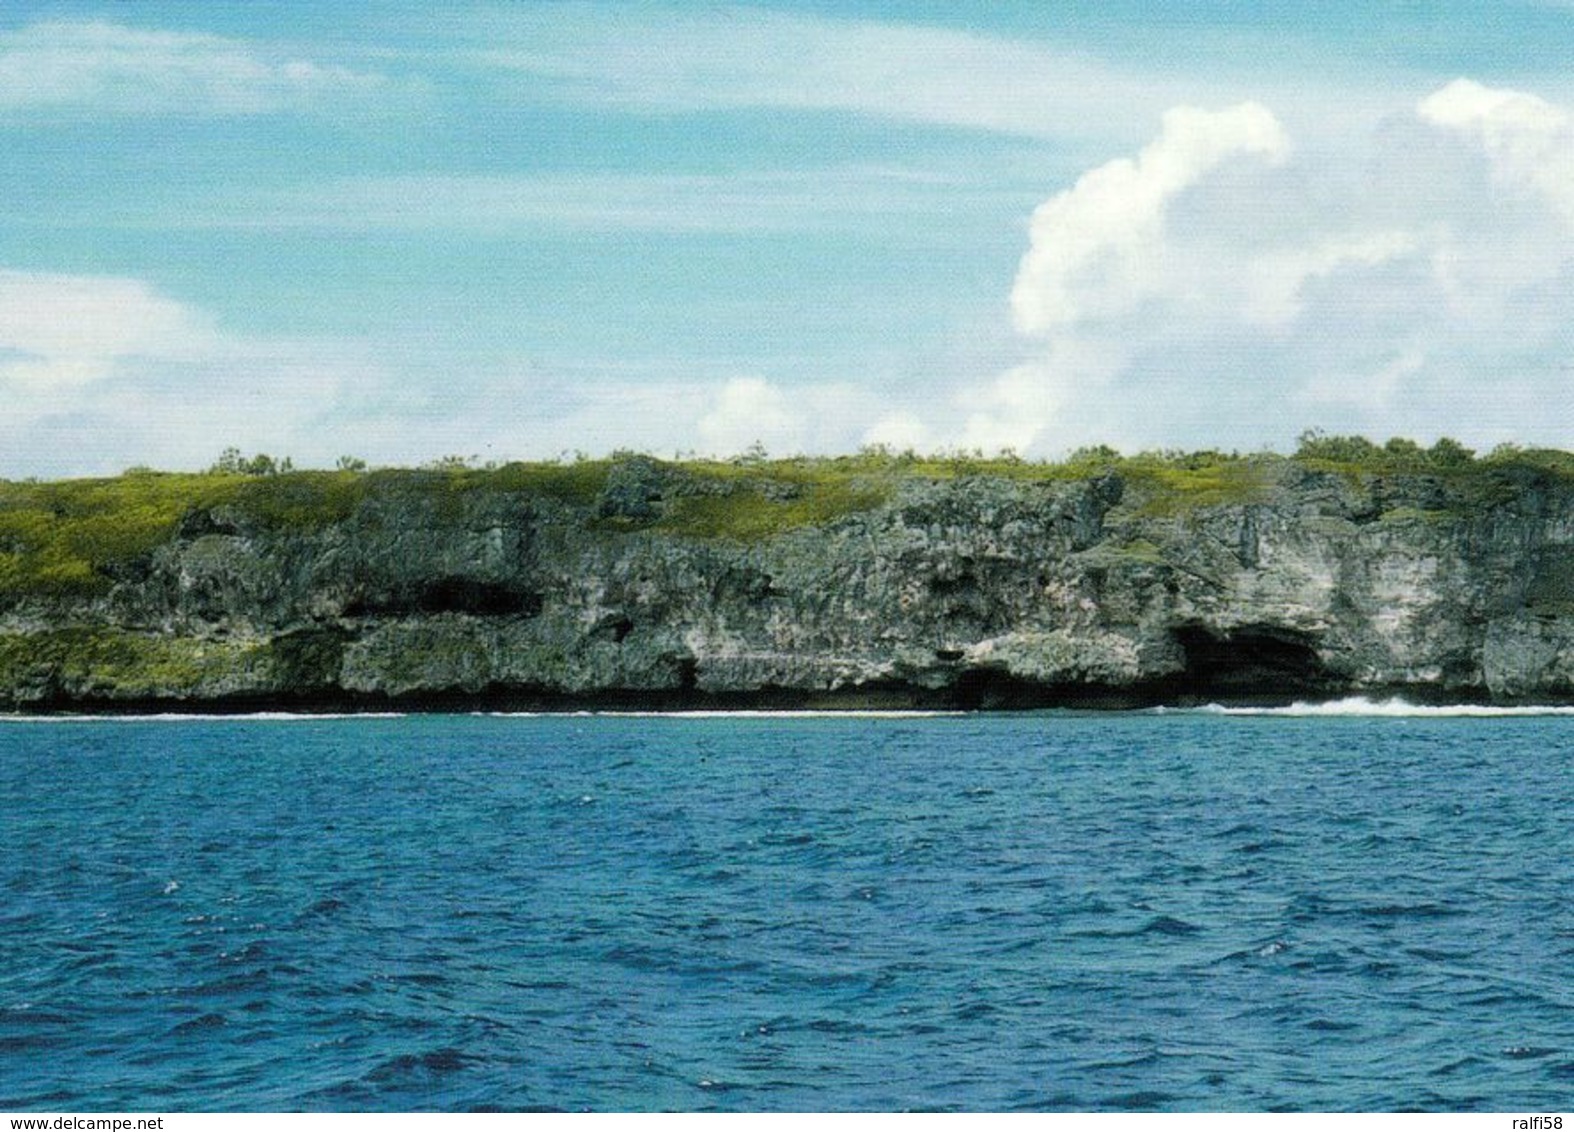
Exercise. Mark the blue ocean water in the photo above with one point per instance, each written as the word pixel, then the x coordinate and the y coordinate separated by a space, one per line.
pixel 1042 911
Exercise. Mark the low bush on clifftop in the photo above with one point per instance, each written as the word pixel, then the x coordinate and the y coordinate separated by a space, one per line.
pixel 80 536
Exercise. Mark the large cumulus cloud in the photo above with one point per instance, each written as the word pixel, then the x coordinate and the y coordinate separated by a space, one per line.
pixel 1229 286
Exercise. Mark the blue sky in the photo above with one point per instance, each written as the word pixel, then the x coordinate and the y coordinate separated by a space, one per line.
pixel 517 230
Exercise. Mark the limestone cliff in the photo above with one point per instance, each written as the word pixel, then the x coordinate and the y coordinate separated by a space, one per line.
pixel 639 583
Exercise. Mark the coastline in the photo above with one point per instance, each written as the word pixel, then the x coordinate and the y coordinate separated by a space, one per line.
pixel 780 702
pixel 859 584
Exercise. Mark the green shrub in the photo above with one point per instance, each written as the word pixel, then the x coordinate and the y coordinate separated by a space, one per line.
pixel 750 516
pixel 300 500
pixel 118 663
pixel 1170 486
pixel 75 536
pixel 1398 454
pixel 63 537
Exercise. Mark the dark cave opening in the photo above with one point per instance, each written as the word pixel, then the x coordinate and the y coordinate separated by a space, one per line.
pixel 1252 661
pixel 450 595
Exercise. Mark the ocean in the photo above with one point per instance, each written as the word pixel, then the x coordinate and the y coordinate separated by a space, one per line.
pixel 1357 907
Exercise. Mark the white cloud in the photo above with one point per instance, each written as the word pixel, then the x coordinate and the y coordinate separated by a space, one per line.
pixel 661 58
pixel 535 414
pixel 900 432
pixel 751 410
pixel 1278 279
pixel 100 372
pixel 1220 288
pixel 1529 141
pixel 107 67
pixel 1373 390
pixel 1097 249
pixel 918 204
pixel 667 57
pixel 815 416
pixel 1014 410
pixel 67 330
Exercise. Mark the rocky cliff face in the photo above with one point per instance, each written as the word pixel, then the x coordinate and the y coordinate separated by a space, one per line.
pixel 659 586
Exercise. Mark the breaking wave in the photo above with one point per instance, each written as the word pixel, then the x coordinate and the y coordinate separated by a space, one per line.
pixel 1395 707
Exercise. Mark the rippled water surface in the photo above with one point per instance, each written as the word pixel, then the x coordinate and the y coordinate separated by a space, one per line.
pixel 1062 911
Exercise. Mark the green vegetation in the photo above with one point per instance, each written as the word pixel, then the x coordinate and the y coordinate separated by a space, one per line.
pixel 1357 453
pixel 1548 460
pixel 298 500
pixel 751 515
pixel 233 463
pixel 78 536
pixel 73 536
pixel 578 482
pixel 69 536
pixel 117 663
pixel 1475 483
pixel 1170 485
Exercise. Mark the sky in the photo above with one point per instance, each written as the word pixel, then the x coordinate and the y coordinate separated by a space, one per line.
pixel 524 230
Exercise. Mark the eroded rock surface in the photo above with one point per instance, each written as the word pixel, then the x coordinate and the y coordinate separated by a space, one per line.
pixel 974 591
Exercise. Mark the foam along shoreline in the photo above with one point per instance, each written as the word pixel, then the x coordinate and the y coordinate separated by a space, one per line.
pixel 1394 707
pixel 1348 707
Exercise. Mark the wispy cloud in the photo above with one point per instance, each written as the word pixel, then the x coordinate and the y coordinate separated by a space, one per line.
pixel 661 59
pixel 101 67
pixel 99 372
pixel 1385 258
pixel 63 331
pixel 895 203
